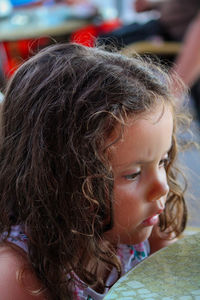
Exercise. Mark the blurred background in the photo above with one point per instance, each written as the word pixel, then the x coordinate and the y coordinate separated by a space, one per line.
pixel 29 25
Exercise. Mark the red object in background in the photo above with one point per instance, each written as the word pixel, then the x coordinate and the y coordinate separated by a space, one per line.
pixel 17 52
pixel 88 34
pixel 109 25
pixel 85 36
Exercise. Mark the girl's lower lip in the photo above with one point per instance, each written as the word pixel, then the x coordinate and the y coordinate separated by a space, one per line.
pixel 151 221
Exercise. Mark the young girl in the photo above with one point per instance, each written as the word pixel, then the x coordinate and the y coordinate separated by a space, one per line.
pixel 87 183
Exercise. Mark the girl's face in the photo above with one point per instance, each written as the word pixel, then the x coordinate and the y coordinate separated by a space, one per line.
pixel 139 162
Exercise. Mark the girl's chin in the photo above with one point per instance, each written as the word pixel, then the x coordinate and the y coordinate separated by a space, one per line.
pixel 136 238
pixel 140 236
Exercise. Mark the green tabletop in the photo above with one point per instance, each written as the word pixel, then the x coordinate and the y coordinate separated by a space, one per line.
pixel 171 273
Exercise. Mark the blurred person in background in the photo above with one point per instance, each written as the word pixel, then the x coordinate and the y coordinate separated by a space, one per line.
pixel 175 17
pixel 187 63
pixel 179 21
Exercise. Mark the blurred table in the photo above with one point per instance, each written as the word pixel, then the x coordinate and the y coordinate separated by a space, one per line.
pixel 170 274
pixel 42 21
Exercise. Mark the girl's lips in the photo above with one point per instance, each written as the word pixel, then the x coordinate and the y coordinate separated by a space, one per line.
pixel 151 221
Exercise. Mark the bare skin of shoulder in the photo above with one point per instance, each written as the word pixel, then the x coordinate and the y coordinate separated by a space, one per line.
pixel 17 280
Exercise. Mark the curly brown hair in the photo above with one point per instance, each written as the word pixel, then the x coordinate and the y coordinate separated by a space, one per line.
pixel 59 108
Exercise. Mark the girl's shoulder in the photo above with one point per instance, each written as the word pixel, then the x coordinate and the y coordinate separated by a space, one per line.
pixel 16 276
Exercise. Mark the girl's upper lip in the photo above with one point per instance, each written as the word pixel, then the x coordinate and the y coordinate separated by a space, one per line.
pixel 158 212
pixel 151 221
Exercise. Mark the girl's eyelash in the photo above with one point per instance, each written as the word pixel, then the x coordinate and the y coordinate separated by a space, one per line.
pixel 164 162
pixel 132 176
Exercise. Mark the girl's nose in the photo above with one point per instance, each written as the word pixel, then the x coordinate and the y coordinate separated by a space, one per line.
pixel 158 187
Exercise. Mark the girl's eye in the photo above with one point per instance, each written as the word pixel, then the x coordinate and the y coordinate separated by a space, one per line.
pixel 132 176
pixel 164 162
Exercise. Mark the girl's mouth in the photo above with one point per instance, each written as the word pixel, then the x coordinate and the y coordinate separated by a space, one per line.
pixel 151 221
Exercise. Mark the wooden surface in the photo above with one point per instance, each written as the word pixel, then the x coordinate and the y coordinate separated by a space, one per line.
pixel 155 47
pixel 40 22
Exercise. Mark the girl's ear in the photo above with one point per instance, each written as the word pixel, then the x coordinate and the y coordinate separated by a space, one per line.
pixel 12 262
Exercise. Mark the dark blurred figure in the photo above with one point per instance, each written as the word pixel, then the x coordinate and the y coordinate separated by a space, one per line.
pixel 3 61
pixel 175 17
pixel 179 21
pixel 187 63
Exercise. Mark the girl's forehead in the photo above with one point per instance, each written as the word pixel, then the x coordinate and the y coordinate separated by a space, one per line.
pixel 152 116
pixel 144 139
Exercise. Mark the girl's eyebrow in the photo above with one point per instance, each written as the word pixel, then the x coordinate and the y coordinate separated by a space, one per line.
pixel 150 161
pixel 142 162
